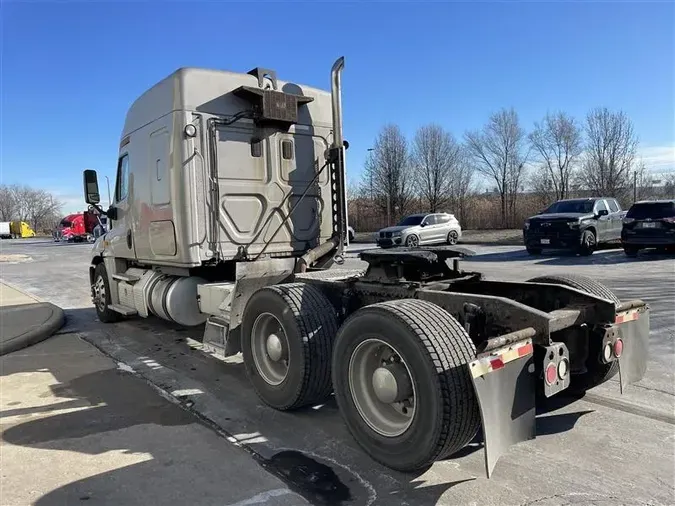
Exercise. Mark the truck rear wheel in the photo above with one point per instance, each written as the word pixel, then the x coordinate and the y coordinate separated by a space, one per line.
pixel 402 384
pixel 596 371
pixel 287 335
pixel 100 294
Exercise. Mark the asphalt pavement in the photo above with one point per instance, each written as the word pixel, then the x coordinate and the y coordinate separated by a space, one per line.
pixel 602 449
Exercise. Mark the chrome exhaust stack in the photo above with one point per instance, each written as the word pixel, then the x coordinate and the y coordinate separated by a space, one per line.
pixel 336 96
pixel 332 251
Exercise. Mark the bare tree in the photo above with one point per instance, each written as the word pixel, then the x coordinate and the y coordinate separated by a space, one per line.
pixel 388 173
pixel 557 140
pixel 462 187
pixel 8 204
pixel 436 156
pixel 610 153
pixel 23 203
pixel 498 152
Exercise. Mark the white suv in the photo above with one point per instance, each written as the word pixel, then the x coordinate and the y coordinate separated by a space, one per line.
pixel 421 229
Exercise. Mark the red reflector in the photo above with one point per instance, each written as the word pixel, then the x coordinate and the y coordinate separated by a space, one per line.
pixel 525 350
pixel 618 348
pixel 619 319
pixel 551 374
pixel 496 363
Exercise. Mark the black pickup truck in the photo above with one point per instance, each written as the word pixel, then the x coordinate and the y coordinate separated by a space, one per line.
pixel 574 224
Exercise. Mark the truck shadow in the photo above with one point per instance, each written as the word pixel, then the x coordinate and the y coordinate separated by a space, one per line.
pixel 566 258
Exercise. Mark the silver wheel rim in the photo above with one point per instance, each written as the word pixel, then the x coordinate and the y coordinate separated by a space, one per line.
pixel 590 240
pixel 99 293
pixel 452 237
pixel 388 408
pixel 412 241
pixel 269 347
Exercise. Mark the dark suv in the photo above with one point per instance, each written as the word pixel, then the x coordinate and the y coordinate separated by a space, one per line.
pixel 574 224
pixel 649 224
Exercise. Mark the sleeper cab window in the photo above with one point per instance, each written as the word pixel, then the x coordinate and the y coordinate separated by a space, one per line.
pixel 122 178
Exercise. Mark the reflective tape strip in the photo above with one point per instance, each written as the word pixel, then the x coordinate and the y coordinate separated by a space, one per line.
pixel 627 316
pixel 499 358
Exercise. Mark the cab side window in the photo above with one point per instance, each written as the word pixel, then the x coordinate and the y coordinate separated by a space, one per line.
pixel 613 206
pixel 600 205
pixel 122 186
pixel 430 220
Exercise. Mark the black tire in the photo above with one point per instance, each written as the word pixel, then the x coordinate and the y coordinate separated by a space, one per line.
pixel 436 348
pixel 453 237
pixel 631 251
pixel 597 372
pixel 103 311
pixel 310 323
pixel 589 243
pixel 534 251
pixel 411 239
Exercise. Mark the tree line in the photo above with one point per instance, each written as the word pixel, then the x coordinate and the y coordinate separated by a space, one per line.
pixel 39 208
pixel 560 157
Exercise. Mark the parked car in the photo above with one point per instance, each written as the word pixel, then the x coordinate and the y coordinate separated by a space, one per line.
pixel 575 224
pixel 649 224
pixel 421 229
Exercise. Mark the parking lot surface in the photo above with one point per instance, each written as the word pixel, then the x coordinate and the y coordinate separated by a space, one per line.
pixel 602 449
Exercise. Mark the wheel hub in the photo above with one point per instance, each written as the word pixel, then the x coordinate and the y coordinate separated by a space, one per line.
pixel 381 387
pixel 391 384
pixel 275 349
pixel 269 348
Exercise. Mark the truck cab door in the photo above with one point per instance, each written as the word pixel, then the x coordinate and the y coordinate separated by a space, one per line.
pixel 121 231
pixel 604 223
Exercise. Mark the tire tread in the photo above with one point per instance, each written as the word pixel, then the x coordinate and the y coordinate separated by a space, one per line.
pixel 317 322
pixel 449 348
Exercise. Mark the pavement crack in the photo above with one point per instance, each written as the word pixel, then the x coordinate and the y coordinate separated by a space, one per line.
pixel 570 495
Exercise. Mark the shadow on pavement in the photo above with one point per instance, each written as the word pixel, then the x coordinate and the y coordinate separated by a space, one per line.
pixel 564 258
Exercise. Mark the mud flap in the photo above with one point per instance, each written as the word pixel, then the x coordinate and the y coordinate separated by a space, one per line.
pixel 505 388
pixel 635 336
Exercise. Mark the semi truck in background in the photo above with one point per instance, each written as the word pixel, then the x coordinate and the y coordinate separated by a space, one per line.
pixel 5 230
pixel 21 229
pixel 229 211
pixel 81 227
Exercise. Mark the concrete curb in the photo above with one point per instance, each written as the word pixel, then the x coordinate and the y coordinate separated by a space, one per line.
pixel 24 325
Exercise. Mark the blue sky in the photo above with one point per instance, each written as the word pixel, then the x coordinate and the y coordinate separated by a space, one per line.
pixel 71 69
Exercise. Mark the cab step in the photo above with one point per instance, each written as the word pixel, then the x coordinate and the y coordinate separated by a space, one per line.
pixel 129 278
pixel 123 310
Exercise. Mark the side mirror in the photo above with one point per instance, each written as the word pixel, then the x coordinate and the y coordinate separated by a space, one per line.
pixel 423 224
pixel 603 212
pixel 91 195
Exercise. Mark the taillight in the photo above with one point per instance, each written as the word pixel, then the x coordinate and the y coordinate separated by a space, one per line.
pixel 627 221
pixel 551 374
pixel 607 352
pixel 618 348
pixel 563 369
pixel 669 219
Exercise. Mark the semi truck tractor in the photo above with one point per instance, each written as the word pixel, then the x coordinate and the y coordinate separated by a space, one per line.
pixel 230 212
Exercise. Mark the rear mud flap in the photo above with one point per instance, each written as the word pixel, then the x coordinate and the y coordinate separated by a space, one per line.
pixel 633 359
pixel 506 397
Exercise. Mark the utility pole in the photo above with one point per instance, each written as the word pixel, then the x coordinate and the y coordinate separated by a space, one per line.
pixel 370 150
pixel 634 186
